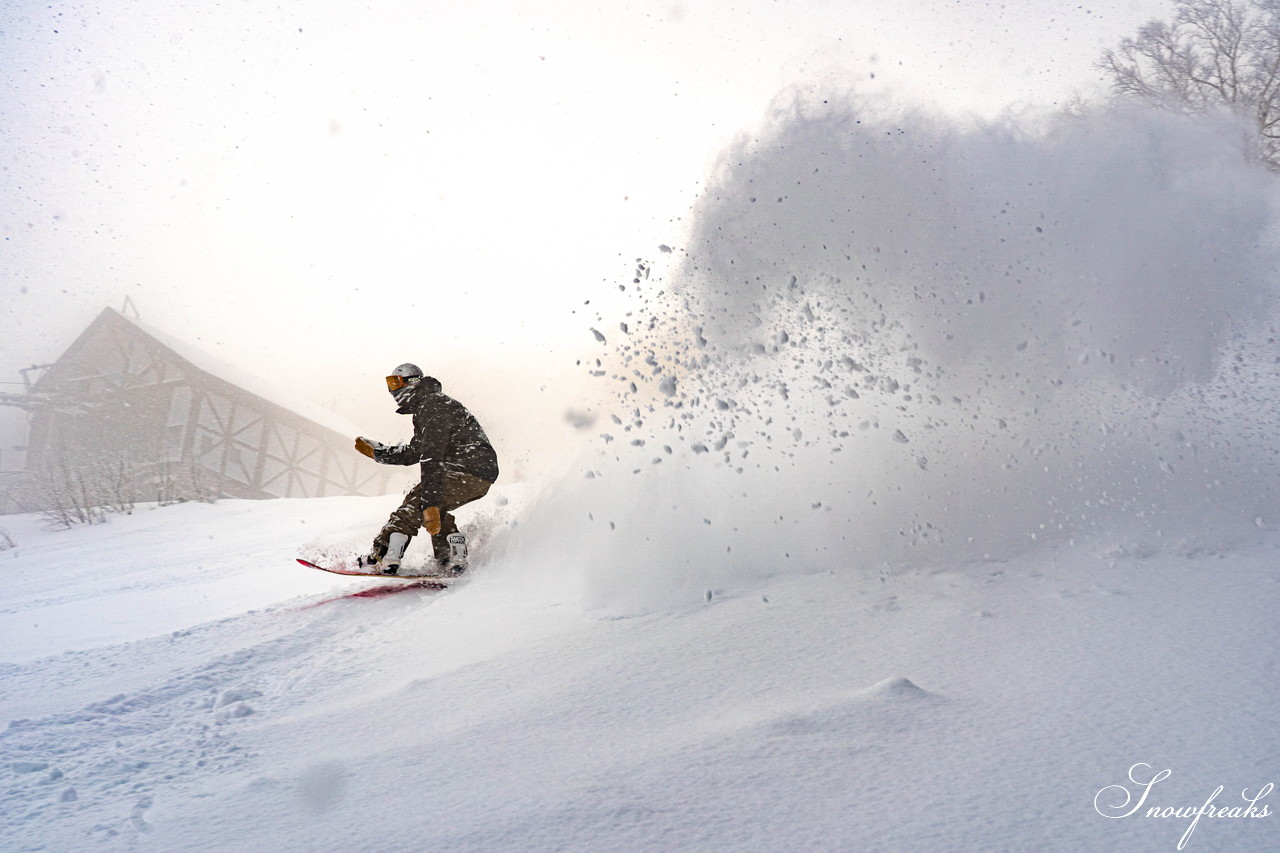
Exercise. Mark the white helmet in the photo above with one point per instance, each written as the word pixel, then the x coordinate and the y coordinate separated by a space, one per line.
pixel 402 380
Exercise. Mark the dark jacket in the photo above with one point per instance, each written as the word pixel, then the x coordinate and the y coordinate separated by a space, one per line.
pixel 446 437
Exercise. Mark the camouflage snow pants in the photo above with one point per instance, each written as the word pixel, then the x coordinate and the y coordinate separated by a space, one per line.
pixel 459 489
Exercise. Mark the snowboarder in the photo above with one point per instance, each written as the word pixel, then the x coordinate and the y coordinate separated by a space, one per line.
pixel 458 466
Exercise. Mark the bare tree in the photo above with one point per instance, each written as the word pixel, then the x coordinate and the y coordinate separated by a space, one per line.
pixel 1213 54
pixel 177 482
pixel 67 495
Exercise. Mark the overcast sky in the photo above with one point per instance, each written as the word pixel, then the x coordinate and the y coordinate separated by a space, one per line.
pixel 328 188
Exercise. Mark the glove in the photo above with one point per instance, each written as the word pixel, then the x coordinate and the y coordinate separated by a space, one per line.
pixel 366 446
pixel 431 520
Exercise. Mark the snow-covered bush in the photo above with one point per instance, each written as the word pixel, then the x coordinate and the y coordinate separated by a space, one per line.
pixel 68 490
pixel 67 494
pixel 180 484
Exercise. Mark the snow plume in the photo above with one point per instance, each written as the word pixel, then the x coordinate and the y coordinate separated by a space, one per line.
pixel 890 340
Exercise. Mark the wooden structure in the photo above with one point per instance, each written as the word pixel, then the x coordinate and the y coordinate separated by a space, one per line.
pixel 129 397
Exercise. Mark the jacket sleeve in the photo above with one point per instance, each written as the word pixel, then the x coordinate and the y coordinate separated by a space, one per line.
pixel 398 454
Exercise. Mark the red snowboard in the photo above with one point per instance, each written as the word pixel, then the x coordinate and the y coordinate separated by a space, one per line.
pixel 439 580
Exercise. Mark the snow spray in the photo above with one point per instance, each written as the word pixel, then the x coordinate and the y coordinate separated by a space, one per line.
pixel 894 339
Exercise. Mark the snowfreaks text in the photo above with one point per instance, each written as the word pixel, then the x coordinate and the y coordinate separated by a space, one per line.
pixel 1117 801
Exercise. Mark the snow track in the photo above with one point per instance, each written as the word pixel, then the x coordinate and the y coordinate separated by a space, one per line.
pixel 180 705
pixel 176 721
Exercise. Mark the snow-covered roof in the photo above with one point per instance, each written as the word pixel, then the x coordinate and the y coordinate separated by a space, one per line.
pixel 243 379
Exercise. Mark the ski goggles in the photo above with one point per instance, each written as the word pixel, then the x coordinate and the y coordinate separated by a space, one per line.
pixel 395 383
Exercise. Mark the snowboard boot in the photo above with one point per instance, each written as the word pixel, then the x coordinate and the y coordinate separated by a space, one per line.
pixel 451 554
pixel 390 562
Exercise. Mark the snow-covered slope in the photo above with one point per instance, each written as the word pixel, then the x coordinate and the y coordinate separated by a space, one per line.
pixel 228 700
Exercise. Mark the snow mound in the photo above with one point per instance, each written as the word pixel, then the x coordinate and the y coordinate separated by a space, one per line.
pixel 870 713
pixel 895 691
